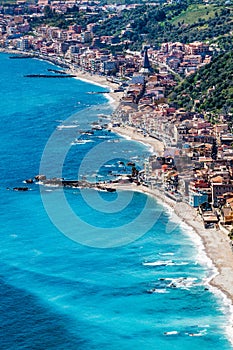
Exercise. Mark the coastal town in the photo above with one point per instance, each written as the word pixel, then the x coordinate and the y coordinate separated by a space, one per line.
pixel 196 162
pixel 180 173
pixel 80 46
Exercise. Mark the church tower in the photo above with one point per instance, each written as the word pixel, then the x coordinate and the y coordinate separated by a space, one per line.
pixel 146 68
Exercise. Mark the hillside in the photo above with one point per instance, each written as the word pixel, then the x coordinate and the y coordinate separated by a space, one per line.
pixel 181 21
pixel 209 89
pixel 154 23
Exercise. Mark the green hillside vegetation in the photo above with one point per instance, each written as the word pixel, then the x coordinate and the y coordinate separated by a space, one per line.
pixel 171 22
pixel 179 21
pixel 209 89
pixel 194 12
pixel 140 24
pixel 72 16
pixel 204 28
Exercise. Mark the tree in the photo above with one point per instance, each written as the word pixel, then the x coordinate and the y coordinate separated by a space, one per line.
pixel 48 13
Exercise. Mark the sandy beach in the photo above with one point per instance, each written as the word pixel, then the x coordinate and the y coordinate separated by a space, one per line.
pixel 115 97
pixel 216 242
pixel 100 80
pixel 128 131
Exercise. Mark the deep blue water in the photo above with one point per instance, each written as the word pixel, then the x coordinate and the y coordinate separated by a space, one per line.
pixel 86 269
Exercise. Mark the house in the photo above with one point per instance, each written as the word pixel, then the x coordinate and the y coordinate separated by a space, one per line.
pixel 226 216
pixel 218 189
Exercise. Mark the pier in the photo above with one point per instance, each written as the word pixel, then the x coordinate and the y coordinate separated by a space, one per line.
pixel 49 76
pixel 21 56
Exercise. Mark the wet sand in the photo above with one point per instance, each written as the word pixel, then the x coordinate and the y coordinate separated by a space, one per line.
pixel 115 97
pixel 128 131
pixel 216 242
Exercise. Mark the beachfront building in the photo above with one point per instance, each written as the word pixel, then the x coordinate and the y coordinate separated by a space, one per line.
pixel 23 44
pixel 197 198
pixel 153 170
pixel 108 67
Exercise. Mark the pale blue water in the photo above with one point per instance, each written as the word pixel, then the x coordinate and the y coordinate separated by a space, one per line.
pixel 61 294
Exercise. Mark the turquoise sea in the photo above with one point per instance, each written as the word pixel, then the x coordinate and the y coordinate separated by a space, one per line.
pixel 87 269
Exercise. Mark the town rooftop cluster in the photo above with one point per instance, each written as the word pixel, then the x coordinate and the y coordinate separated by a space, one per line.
pixel 197 164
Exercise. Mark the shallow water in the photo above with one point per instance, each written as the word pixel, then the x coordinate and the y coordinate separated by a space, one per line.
pixel 143 289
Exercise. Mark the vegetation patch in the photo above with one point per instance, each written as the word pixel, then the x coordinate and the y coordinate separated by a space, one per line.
pixel 209 89
pixel 194 12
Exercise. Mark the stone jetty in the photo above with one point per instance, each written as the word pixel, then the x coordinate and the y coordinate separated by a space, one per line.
pixel 60 182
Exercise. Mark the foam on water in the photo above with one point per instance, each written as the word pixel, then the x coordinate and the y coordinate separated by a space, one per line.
pixel 203 259
pixel 61 127
pixel 85 80
pixel 158 263
pixel 168 253
pixel 58 294
pixel 150 148
pixel 80 142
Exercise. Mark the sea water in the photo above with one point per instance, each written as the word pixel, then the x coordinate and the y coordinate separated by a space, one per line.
pixel 82 269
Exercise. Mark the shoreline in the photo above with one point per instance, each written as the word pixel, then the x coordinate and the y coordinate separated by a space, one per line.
pixel 114 98
pixel 130 132
pixel 215 242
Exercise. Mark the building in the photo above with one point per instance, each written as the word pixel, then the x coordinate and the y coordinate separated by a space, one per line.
pixel 23 44
pixel 146 68
pixel 218 189
pixel 197 198
pixel 108 66
pixel 86 37
pixel 226 216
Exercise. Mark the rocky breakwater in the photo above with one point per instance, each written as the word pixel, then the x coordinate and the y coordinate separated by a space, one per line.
pixel 49 76
pixel 60 182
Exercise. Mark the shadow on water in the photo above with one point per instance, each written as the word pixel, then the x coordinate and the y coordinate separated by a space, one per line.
pixel 41 329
